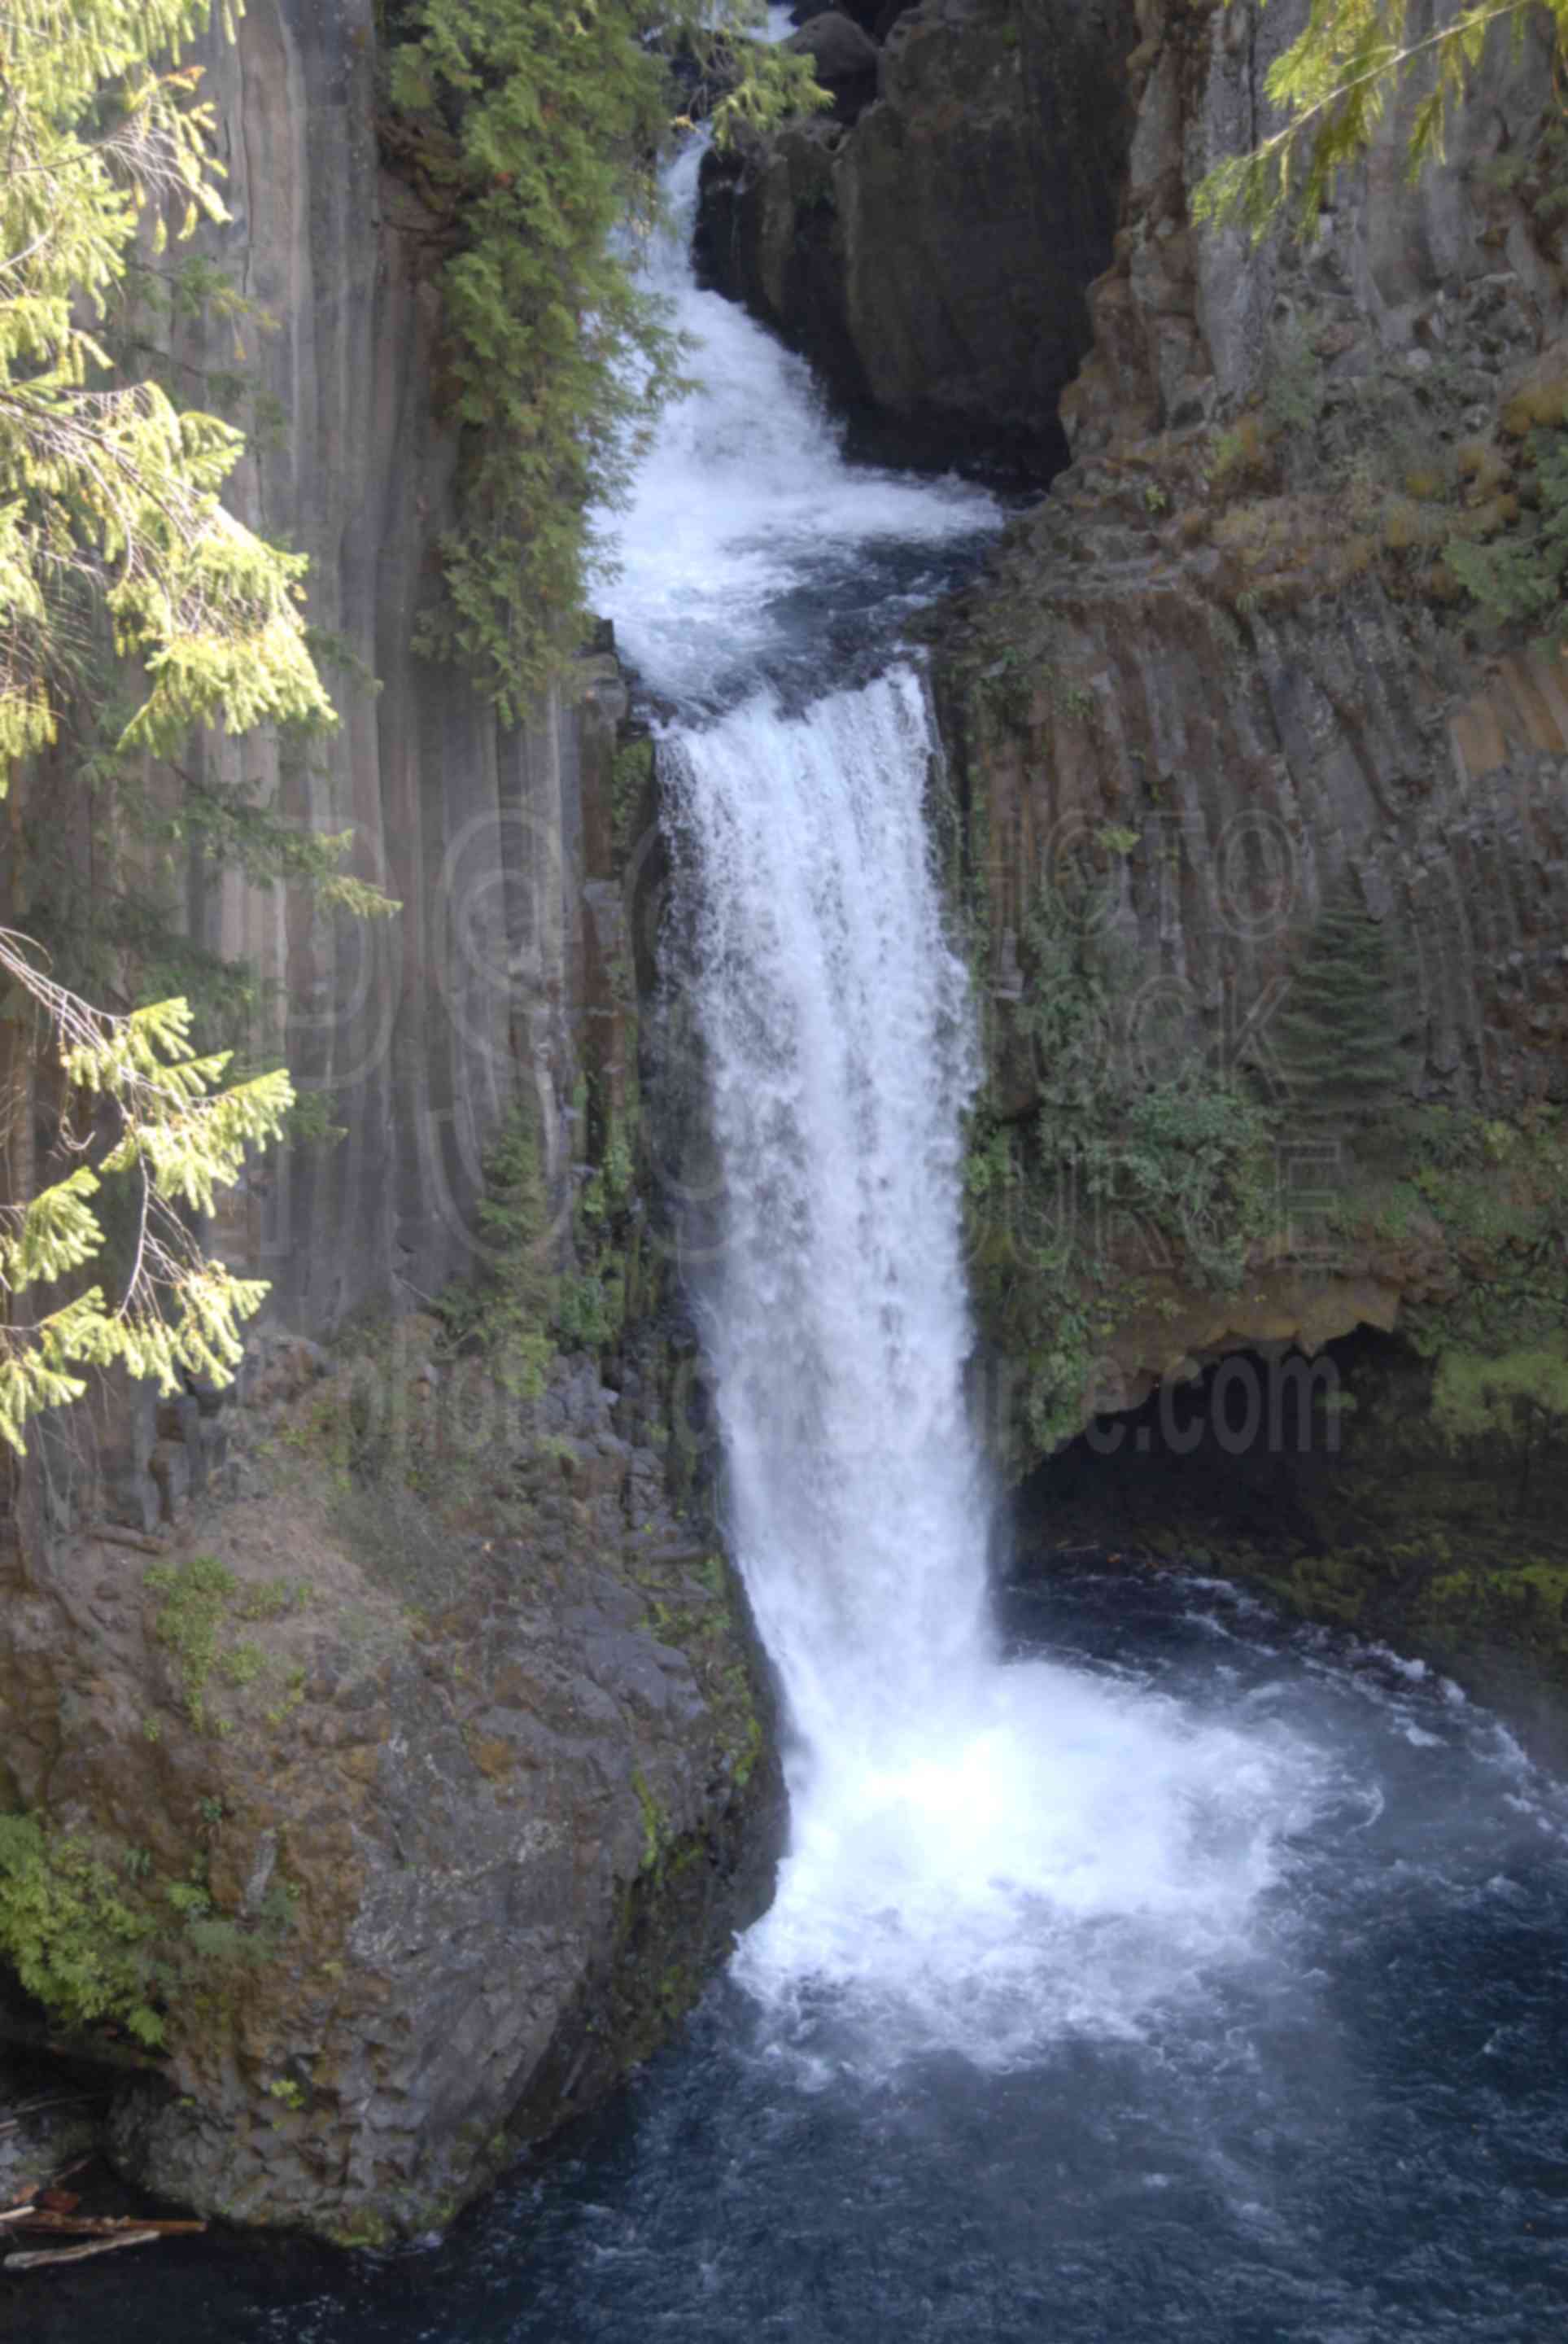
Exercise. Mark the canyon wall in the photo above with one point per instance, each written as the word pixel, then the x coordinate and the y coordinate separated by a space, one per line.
pixel 397 1753
pixel 1228 667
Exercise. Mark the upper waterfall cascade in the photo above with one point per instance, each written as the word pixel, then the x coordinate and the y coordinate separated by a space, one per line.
pixel 750 546
pixel 979 1852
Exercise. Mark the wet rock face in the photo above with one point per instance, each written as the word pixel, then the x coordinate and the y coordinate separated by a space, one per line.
pixel 933 258
pixel 472 1812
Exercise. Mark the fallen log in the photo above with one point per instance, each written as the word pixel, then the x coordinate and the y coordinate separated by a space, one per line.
pixel 37 2258
pixel 100 2225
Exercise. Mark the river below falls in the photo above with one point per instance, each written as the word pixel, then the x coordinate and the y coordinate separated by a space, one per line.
pixel 1349 2132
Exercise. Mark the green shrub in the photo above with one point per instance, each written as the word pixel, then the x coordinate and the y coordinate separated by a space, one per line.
pixel 202 1600
pixel 1190 1152
pixel 190 1623
pixel 1520 575
pixel 75 1943
pixel 506 1310
pixel 1183 1160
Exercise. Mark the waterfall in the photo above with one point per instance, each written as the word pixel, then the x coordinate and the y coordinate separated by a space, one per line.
pixel 981 1853
pixel 837 1029
pixel 749 546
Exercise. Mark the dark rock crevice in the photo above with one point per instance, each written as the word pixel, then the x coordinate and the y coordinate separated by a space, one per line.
pixel 932 260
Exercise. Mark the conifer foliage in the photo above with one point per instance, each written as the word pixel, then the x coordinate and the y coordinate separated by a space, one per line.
pixel 111 523
pixel 136 1107
pixel 1334 85
pixel 1337 1037
pixel 107 491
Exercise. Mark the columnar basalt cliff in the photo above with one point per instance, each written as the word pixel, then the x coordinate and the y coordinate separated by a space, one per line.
pixel 1228 665
pixel 419 1032
pixel 1251 672
pixel 405 1746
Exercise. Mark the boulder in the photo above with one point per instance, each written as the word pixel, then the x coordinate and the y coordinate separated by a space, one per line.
pixel 478 1805
pixel 863 12
pixel 844 57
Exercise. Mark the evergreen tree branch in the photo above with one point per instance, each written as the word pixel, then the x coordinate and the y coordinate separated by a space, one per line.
pixel 1334 84
pixel 138 1107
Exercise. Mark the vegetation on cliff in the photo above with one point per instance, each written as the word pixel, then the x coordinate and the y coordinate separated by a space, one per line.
pixel 98 1939
pixel 1336 1037
pixel 537 129
pixel 1135 1155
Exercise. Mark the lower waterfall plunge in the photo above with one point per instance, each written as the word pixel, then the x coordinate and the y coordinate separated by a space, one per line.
pixel 981 1855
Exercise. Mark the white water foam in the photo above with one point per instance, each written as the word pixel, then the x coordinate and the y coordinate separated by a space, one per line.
pixel 745 499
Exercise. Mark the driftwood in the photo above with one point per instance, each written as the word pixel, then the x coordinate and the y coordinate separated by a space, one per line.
pixel 50 2212
pixel 102 2226
pixel 38 2258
